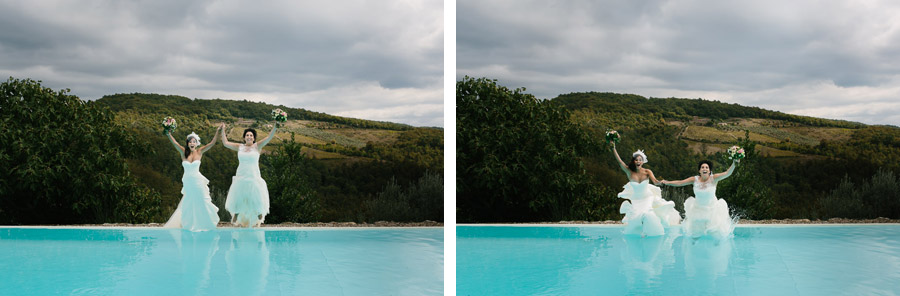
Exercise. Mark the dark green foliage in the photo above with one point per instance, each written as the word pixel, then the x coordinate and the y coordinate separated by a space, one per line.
pixel 90 165
pixel 684 109
pixel 290 180
pixel 760 188
pixel 64 161
pixel 518 158
pixel 877 197
pixel 420 201
pixel 422 147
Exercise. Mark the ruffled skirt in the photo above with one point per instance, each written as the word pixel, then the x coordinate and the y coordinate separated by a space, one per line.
pixel 195 211
pixel 248 201
pixel 710 219
pixel 646 212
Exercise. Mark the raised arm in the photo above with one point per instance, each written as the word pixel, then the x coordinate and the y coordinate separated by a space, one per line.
pixel 175 143
pixel 225 141
pixel 269 138
pixel 213 142
pixel 688 181
pixel 621 163
pixel 727 173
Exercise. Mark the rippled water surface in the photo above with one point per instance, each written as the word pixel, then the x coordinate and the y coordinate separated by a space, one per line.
pixel 148 261
pixel 600 260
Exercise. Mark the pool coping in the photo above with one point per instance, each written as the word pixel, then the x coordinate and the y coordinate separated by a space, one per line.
pixel 614 225
pixel 227 225
pixel 282 228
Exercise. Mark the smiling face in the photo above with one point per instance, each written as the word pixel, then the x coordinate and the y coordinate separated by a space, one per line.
pixel 638 160
pixel 193 143
pixel 249 138
pixel 704 169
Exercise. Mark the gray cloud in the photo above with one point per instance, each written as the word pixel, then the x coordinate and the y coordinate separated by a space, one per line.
pixel 334 57
pixel 831 59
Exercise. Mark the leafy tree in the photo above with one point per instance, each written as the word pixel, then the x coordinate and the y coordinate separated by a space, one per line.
pixel 63 161
pixel 518 158
pixel 290 178
pixel 422 200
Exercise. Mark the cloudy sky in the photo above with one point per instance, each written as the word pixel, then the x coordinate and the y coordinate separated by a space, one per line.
pixel 379 60
pixel 831 59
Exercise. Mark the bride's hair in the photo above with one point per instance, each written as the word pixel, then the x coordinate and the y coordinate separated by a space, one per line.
pixel 253 131
pixel 631 165
pixel 187 148
pixel 707 162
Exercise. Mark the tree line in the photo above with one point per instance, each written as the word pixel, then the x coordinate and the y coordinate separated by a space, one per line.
pixel 513 150
pixel 72 161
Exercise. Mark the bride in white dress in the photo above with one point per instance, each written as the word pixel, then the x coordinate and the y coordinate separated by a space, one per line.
pixel 646 212
pixel 705 214
pixel 196 211
pixel 248 197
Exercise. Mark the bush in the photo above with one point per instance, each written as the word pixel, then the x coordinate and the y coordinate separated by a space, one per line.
pixel 518 158
pixel 290 178
pixel 879 197
pixel 63 161
pixel 422 200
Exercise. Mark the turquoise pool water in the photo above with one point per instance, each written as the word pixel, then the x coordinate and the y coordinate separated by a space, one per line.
pixel 154 261
pixel 599 260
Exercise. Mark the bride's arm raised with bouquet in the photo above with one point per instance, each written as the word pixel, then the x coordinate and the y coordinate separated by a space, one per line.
pixel 178 147
pixel 735 153
pixel 279 116
pixel 726 174
pixel 268 138
pixel 622 164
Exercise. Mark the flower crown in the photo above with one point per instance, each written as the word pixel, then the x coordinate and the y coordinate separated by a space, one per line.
pixel 641 153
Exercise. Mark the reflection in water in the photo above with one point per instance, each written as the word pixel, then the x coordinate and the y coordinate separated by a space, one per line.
pixel 706 257
pixel 644 257
pixel 196 250
pixel 156 261
pixel 247 261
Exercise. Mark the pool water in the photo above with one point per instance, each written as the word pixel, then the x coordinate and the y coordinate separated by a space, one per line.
pixel 600 260
pixel 154 261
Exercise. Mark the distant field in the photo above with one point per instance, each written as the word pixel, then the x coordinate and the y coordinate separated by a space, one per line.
pixel 319 154
pixel 375 135
pixel 699 147
pixel 704 133
pixel 823 133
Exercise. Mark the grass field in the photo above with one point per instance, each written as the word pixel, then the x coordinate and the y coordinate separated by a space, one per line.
pixel 710 134
pixel 711 148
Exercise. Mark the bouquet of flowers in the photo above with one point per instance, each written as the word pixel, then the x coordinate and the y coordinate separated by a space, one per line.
pixel 612 135
pixel 279 115
pixel 736 152
pixel 169 125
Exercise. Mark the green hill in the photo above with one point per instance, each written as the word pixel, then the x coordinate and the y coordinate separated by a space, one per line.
pixel 798 166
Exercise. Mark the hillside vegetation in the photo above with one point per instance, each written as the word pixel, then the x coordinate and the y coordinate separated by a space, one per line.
pixel 73 161
pixel 798 166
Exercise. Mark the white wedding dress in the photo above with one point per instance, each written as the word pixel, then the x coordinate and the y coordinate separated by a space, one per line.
pixel 646 212
pixel 248 197
pixel 196 211
pixel 705 214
